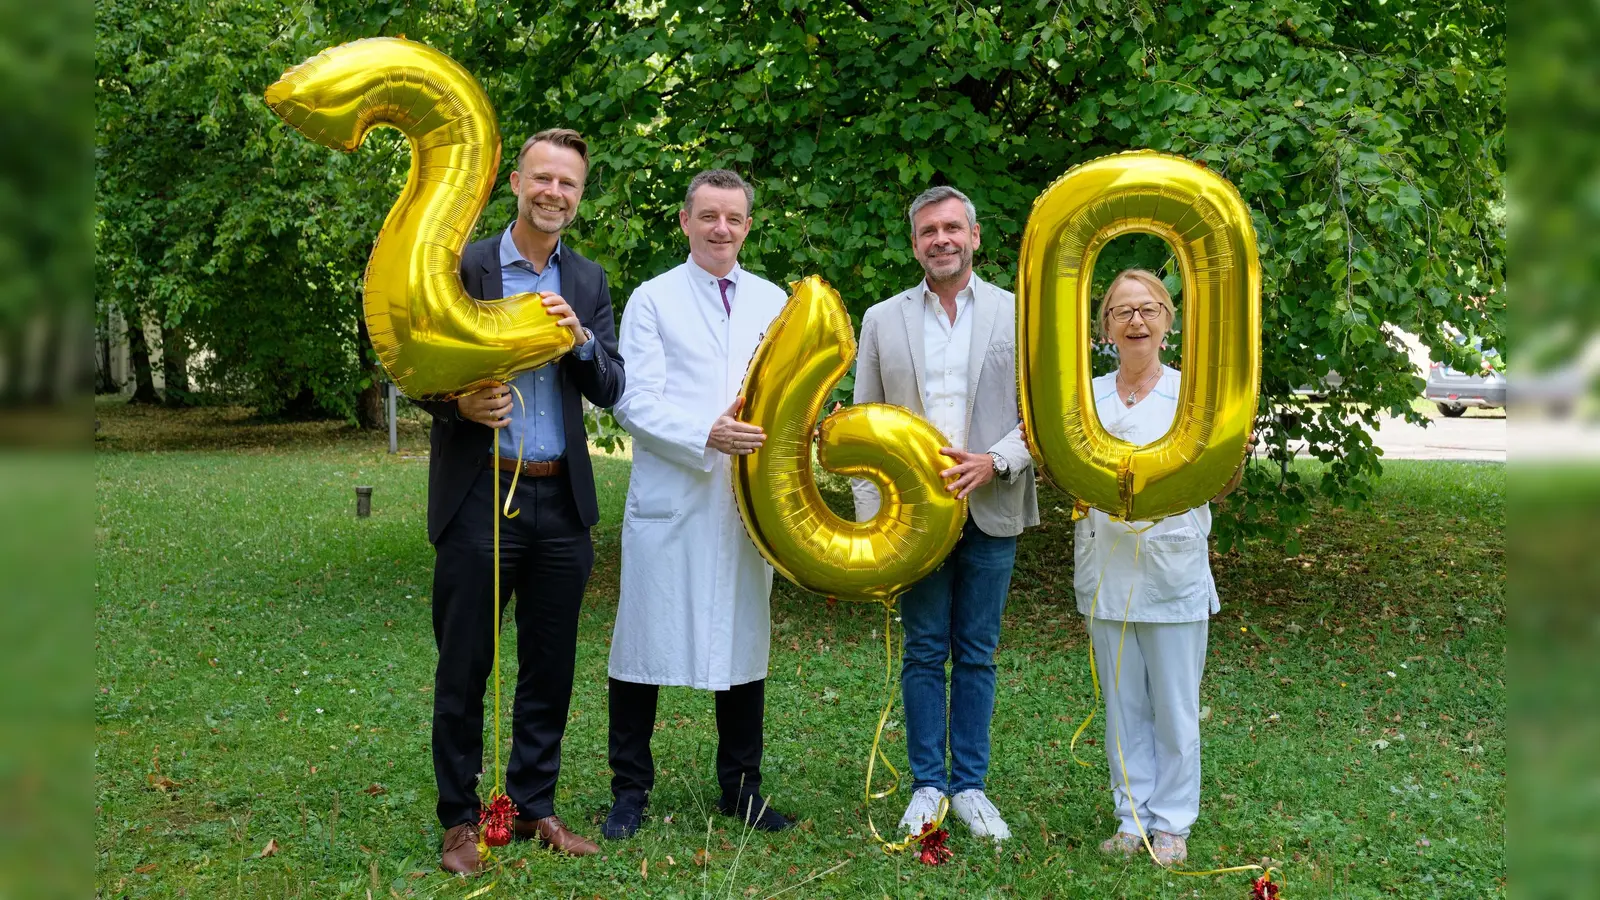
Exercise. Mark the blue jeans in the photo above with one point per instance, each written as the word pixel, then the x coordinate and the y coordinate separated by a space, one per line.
pixel 954 614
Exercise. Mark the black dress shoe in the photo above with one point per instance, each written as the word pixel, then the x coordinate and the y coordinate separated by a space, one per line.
pixel 755 812
pixel 625 817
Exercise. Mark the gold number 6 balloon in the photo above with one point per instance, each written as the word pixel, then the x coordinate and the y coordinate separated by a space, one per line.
pixel 803 355
pixel 1208 226
pixel 434 340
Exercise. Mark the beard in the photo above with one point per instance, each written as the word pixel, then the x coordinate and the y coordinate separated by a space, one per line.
pixel 944 267
pixel 540 220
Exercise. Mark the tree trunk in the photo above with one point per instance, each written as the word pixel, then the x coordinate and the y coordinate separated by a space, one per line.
pixel 175 367
pixel 103 382
pixel 144 385
pixel 13 362
pixel 370 401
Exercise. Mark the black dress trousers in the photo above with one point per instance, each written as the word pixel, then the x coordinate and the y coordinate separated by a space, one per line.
pixel 739 738
pixel 545 558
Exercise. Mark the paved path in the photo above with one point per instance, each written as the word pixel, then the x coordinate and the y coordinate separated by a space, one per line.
pixel 1474 436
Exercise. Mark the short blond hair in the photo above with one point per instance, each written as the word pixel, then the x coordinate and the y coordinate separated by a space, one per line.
pixel 561 137
pixel 1152 283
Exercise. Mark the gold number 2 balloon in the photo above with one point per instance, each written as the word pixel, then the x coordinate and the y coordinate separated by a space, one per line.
pixel 805 352
pixel 1208 226
pixel 434 339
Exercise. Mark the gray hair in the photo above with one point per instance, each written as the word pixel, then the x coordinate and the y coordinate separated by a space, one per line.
pixel 719 178
pixel 938 195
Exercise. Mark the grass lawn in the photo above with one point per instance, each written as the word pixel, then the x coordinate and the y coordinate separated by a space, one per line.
pixel 264 661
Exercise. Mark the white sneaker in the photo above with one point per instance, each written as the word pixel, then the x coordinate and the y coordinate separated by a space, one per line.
pixel 979 815
pixel 924 808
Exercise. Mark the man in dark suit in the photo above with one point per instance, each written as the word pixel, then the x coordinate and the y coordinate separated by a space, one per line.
pixel 545 551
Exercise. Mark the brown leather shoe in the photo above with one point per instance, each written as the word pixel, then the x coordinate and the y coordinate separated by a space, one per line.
pixel 461 850
pixel 553 833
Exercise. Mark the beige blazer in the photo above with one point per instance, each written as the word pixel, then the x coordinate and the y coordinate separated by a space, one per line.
pixel 889 369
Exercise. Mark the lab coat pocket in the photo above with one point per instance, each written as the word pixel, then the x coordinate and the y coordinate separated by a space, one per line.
pixel 1176 567
pixel 653 496
pixel 1085 573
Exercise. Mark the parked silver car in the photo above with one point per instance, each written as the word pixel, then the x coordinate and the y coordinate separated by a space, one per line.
pixel 1453 390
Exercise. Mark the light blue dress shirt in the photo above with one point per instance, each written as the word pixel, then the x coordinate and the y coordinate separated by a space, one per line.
pixel 537 422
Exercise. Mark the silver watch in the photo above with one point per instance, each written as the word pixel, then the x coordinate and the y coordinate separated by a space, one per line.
pixel 1001 467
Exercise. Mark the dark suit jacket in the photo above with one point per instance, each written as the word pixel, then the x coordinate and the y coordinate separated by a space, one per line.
pixel 460 447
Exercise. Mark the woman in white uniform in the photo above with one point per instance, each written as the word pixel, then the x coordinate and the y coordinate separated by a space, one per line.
pixel 1148 593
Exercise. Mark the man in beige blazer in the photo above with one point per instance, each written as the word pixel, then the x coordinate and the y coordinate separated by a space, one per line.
pixel 946 350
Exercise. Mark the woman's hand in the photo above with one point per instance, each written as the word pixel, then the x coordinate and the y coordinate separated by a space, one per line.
pixel 1238 474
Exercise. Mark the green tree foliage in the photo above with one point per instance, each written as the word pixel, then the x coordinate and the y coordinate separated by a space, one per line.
pixel 1368 139
pixel 214 219
pixel 44 201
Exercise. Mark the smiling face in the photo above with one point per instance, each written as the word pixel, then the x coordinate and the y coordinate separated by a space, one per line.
pixel 1149 321
pixel 944 240
pixel 548 185
pixel 716 223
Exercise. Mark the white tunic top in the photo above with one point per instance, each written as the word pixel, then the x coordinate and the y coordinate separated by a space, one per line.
pixel 946 347
pixel 694 606
pixel 1172 581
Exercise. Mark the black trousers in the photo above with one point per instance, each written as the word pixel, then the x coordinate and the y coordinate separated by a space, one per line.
pixel 633 719
pixel 545 558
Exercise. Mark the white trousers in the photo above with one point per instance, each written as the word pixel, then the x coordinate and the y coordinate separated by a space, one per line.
pixel 1153 707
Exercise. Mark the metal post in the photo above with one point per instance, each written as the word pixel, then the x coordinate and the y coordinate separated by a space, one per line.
pixel 394 441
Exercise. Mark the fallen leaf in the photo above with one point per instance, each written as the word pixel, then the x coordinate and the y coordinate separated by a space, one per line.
pixel 375 790
pixel 160 782
pixel 701 857
pixel 644 868
pixel 271 849
pixel 145 869
pixel 670 860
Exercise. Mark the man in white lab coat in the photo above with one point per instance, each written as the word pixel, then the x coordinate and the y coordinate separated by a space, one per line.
pixel 694 606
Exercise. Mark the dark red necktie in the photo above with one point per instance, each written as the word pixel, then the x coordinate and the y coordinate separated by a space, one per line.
pixel 725 284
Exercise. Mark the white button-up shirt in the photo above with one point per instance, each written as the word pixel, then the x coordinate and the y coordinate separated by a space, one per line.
pixel 946 347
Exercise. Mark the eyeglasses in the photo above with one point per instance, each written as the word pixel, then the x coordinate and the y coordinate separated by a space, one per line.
pixel 1124 314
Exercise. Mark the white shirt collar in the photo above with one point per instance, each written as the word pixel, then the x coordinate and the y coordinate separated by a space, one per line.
pixel 963 295
pixel 696 272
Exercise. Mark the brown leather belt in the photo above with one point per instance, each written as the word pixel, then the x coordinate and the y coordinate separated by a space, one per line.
pixel 532 469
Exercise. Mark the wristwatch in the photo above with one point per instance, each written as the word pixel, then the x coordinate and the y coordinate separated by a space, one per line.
pixel 1001 467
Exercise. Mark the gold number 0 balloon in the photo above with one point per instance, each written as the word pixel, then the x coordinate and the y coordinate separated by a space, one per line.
pixel 805 352
pixel 1206 223
pixel 434 340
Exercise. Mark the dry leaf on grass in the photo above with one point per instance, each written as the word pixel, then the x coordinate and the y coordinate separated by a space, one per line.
pixel 271 849
pixel 701 857
pixel 160 782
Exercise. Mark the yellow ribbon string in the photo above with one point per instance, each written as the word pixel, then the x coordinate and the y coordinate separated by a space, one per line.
pixel 1116 684
pixel 521 440
pixel 494 601
pixel 877 748
pixel 1094 672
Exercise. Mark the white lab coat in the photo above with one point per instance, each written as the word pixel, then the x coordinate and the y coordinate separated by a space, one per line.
pixel 1171 581
pixel 694 608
